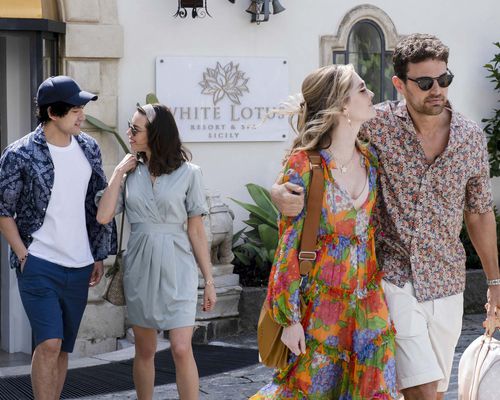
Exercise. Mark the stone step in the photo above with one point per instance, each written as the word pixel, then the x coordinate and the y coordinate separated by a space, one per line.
pixel 215 329
pixel 228 298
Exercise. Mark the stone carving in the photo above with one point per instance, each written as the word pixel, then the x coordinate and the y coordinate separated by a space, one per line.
pixel 223 81
pixel 223 319
pixel 219 229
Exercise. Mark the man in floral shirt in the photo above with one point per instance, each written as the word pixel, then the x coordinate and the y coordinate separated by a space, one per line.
pixel 48 182
pixel 434 171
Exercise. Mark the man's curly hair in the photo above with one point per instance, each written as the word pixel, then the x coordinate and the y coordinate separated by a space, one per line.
pixel 415 48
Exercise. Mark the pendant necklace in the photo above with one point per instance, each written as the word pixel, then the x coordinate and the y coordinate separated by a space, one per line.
pixel 343 167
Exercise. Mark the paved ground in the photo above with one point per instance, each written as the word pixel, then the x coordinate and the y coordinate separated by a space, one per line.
pixel 240 384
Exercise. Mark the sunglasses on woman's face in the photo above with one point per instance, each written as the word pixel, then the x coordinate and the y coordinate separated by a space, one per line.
pixel 133 128
pixel 426 82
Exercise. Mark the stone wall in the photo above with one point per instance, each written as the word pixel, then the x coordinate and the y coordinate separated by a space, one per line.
pixel 251 301
pixel 90 51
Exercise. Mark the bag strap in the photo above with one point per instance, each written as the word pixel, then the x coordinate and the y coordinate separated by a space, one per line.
pixel 120 239
pixel 307 253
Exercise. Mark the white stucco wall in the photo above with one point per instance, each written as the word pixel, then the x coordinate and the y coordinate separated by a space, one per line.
pixel 150 31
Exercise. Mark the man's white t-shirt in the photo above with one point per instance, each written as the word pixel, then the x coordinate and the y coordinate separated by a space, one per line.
pixel 62 238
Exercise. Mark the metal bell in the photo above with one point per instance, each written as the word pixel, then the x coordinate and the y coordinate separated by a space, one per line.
pixel 253 8
pixel 277 7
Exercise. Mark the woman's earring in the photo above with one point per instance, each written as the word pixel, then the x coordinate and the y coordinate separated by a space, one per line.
pixel 348 119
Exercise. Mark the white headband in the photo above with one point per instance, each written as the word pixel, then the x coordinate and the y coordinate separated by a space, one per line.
pixel 149 111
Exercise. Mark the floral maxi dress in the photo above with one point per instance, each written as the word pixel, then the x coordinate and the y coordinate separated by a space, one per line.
pixel 349 337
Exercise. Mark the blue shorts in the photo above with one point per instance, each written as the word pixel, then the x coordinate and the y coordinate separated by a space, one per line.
pixel 54 298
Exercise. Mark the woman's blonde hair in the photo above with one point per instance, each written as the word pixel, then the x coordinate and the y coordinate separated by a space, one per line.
pixel 325 92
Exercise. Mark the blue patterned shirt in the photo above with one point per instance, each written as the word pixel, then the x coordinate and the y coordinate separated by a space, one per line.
pixel 26 181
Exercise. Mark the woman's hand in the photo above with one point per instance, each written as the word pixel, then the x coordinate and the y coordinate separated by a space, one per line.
pixel 293 338
pixel 128 163
pixel 209 297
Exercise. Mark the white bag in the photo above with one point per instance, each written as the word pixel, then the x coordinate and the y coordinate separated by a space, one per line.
pixel 479 368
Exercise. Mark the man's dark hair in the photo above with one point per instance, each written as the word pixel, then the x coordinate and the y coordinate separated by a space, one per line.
pixel 416 48
pixel 167 152
pixel 59 109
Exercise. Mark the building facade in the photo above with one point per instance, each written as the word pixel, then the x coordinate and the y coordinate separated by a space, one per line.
pixel 113 48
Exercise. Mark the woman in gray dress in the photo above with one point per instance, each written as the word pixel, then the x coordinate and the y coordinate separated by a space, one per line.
pixel 164 202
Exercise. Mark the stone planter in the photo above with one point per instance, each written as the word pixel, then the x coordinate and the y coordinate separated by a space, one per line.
pixel 251 300
pixel 475 291
pixel 223 320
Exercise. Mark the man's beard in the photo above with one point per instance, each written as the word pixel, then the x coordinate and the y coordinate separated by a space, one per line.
pixel 430 108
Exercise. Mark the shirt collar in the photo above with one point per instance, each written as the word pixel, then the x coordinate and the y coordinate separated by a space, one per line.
pixel 39 136
pixel 401 111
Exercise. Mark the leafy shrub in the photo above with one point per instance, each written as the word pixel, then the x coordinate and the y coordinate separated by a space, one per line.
pixel 492 131
pixel 254 249
pixel 492 125
pixel 473 261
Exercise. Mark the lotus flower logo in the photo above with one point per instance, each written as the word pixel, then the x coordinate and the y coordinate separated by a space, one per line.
pixel 223 81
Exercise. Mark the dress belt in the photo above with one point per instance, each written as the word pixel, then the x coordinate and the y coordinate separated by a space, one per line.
pixel 156 228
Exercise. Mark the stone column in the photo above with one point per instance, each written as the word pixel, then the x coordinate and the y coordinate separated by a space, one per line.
pixel 90 51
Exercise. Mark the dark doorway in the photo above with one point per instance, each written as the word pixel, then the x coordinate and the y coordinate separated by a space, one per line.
pixel 28 55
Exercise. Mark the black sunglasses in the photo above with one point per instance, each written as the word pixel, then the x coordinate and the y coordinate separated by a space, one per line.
pixel 132 128
pixel 426 82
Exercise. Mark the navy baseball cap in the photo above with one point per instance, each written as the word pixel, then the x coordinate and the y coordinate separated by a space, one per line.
pixel 62 88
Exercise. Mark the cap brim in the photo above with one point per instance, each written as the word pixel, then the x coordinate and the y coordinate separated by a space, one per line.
pixel 80 99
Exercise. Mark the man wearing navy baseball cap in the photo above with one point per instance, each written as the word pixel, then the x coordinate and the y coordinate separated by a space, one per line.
pixel 62 89
pixel 48 181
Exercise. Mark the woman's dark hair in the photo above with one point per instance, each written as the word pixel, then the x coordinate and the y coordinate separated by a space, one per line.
pixel 59 109
pixel 416 48
pixel 167 152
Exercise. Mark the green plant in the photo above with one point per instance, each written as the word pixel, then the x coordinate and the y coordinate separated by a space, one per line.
pixel 254 249
pixel 492 131
pixel 105 128
pixel 472 259
pixel 492 125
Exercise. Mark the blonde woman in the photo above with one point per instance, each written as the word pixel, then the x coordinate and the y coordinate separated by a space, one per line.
pixel 342 346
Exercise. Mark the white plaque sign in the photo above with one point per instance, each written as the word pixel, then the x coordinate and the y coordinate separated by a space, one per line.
pixel 225 99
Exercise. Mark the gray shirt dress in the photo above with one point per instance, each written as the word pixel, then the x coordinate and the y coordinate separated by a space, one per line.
pixel 160 271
